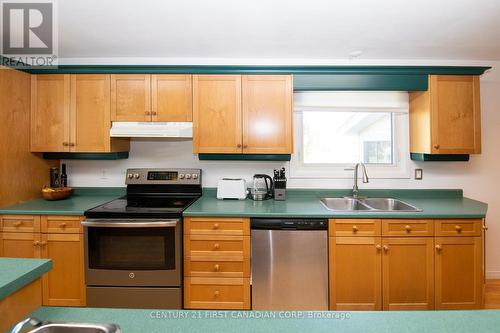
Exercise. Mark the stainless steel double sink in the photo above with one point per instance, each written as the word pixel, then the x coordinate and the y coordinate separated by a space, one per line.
pixel 349 204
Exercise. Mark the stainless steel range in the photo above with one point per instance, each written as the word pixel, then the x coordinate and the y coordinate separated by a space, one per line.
pixel 133 245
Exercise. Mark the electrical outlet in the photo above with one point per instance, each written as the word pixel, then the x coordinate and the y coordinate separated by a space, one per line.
pixel 419 174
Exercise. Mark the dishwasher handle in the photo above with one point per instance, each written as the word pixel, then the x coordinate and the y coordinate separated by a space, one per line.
pixel 289 224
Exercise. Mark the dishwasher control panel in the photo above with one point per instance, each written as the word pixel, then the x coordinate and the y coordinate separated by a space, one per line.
pixel 286 223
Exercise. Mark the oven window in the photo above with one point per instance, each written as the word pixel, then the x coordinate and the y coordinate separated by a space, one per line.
pixel 131 248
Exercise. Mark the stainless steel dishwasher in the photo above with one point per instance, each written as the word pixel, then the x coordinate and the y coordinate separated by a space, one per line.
pixel 289 264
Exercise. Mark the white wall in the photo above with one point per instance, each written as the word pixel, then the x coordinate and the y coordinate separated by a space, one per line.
pixel 479 177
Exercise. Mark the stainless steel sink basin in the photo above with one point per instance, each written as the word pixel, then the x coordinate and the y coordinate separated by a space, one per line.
pixel 344 204
pixel 390 205
pixel 368 205
pixel 76 328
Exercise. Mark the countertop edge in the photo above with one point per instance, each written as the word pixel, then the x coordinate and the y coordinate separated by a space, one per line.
pixel 25 279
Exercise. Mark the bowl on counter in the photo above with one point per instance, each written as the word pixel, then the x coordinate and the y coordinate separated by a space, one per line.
pixel 56 193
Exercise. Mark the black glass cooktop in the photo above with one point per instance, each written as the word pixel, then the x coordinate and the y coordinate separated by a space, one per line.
pixel 142 207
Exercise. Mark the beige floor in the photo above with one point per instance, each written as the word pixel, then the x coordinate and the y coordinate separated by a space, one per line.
pixel 492 295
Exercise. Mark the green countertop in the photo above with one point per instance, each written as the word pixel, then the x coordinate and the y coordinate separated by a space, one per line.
pixel 16 273
pixel 79 202
pixel 305 203
pixel 156 321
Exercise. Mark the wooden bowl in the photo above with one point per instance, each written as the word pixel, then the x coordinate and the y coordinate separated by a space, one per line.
pixel 58 193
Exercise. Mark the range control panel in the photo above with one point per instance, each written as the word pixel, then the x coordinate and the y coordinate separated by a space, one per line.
pixel 146 176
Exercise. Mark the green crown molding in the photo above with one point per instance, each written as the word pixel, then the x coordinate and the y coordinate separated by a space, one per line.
pixel 296 70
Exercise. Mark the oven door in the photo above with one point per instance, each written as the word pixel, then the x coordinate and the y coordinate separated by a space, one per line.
pixel 141 252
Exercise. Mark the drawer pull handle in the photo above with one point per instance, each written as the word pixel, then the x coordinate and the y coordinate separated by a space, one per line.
pixel 458 228
pixel 485 227
pixel 355 228
pixel 386 248
pixel 408 228
pixel 216 293
pixel 216 226
pixel 18 224
pixel 439 248
pixel 216 246
pixel 63 225
pixel 216 267
pixel 437 146
pixel 378 247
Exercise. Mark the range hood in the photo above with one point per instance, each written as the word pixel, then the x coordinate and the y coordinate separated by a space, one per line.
pixel 152 130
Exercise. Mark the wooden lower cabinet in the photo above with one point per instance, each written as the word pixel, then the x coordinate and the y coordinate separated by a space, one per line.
pixel 217 263
pixel 355 273
pixel 64 284
pixel 459 273
pixel 408 273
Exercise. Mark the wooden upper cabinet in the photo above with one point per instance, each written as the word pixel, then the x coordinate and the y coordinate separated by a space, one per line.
pixel 90 113
pixel 459 273
pixel 131 97
pixel 50 102
pixel 408 273
pixel 267 114
pixel 217 114
pixel 446 119
pixel 172 98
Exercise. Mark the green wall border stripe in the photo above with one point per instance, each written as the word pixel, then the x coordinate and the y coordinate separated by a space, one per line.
pixel 86 156
pixel 439 157
pixel 403 82
pixel 244 157
pixel 208 69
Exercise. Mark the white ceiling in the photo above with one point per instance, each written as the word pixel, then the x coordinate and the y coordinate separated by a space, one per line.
pixel 244 31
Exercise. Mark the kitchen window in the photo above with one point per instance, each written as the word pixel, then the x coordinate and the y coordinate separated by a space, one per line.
pixel 335 130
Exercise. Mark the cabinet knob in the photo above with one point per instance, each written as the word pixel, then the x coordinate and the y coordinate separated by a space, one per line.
pixel 18 224
pixel 36 243
pixel 216 267
pixel 439 248
pixel 245 146
pixel 378 247
pixel 43 243
pixel 71 144
pixel 386 248
pixel 65 144
pixel 154 113
pixel 216 225
pixel 238 145
pixel 354 228
pixel 458 228
pixel 63 225
pixel 408 228
pixel 485 227
pixel 216 293
pixel 216 246
pixel 436 146
pixel 148 113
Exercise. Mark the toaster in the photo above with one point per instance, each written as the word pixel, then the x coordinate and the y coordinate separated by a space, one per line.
pixel 231 188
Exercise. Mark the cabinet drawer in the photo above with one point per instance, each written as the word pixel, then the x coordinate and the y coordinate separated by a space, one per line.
pixel 61 224
pixel 216 226
pixel 216 245
pixel 458 227
pixel 217 293
pixel 407 228
pixel 20 223
pixel 354 227
pixel 217 267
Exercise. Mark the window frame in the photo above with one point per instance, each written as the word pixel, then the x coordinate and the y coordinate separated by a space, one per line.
pixel 399 169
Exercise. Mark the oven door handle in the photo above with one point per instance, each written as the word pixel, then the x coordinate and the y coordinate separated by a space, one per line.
pixel 132 224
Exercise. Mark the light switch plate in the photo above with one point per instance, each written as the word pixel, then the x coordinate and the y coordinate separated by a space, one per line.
pixel 419 174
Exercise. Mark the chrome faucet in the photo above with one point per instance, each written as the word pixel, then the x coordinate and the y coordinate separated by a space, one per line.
pixel 355 189
pixel 33 322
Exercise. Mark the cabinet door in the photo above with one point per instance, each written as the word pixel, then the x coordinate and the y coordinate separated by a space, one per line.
pixel 459 277
pixel 20 245
pixel 64 285
pixel 408 273
pixel 172 98
pixel 90 113
pixel 267 114
pixel 217 114
pixel 50 97
pixel 355 273
pixel 456 114
pixel 130 97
